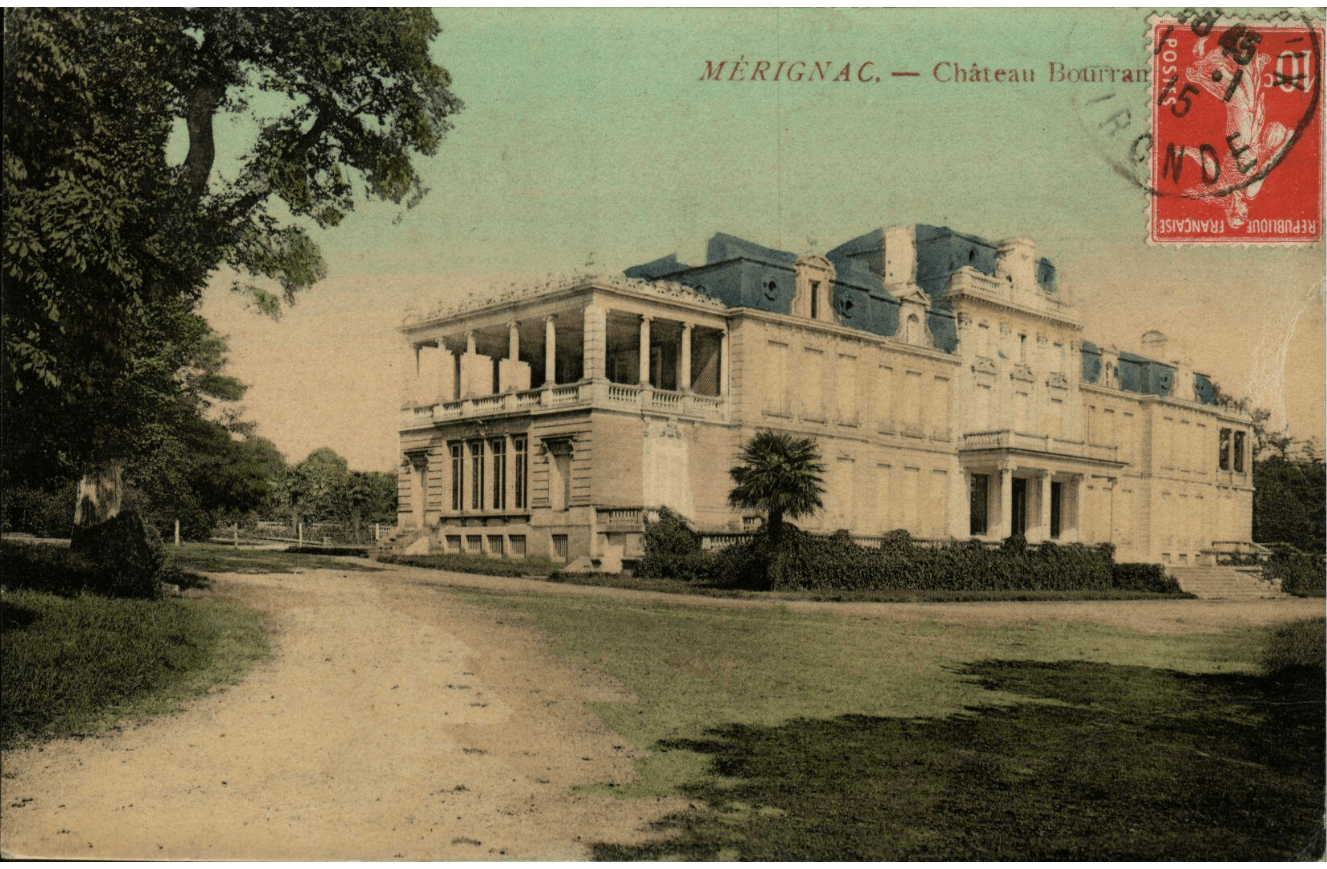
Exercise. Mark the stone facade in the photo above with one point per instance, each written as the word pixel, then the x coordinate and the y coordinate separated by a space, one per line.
pixel 945 378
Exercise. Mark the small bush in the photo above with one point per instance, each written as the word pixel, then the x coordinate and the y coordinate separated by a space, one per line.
pixel 1301 573
pixel 41 512
pixel 126 554
pixel 1143 577
pixel 672 551
pixel 1298 646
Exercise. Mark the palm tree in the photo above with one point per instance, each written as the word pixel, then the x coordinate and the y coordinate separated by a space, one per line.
pixel 781 475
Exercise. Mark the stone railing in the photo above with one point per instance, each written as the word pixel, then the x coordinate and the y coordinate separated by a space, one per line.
pixel 570 395
pixel 625 518
pixel 969 280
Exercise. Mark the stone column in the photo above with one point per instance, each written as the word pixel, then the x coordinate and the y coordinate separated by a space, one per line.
pixel 446 372
pixel 409 373
pixel 723 363
pixel 684 360
pixel 1076 508
pixel 513 342
pixel 550 350
pixel 1006 520
pixel 594 342
pixel 1044 532
pixel 645 351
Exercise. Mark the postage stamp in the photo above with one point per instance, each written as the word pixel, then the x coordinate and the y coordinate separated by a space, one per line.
pixel 1236 131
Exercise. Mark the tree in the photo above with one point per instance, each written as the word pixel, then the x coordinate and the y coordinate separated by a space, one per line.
pixel 109 244
pixel 781 475
pixel 312 485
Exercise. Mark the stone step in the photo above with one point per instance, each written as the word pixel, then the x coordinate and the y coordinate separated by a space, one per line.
pixel 1223 583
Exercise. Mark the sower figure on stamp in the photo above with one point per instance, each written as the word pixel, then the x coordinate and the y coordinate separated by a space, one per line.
pixel 1252 141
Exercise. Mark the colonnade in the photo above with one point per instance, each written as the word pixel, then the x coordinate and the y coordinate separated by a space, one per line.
pixel 463 372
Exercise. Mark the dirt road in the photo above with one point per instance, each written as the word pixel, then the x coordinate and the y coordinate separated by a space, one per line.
pixel 394 721
pixel 397 721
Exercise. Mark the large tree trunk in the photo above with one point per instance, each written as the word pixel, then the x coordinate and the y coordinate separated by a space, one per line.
pixel 100 493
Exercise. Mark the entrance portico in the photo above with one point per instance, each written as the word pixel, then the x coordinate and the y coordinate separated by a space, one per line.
pixel 1039 496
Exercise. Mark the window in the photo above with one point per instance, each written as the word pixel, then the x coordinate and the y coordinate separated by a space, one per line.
pixel 454 543
pixel 497 450
pixel 522 456
pixel 1023 349
pixel 458 479
pixel 1239 452
pixel 474 544
pixel 815 300
pixel 476 475
pixel 517 545
pixel 979 496
pixel 1223 454
pixel 560 547
pixel 495 545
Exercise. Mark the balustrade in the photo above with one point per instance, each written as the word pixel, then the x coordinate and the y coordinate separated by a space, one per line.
pixel 583 394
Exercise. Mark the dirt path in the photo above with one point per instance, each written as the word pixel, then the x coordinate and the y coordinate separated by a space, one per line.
pixel 397 721
pixel 393 722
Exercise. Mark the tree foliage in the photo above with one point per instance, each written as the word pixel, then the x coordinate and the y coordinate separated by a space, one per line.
pixel 322 488
pixel 781 475
pixel 109 243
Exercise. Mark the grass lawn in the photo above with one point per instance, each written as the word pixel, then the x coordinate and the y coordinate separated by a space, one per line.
pixel 819 737
pixel 219 558
pixel 74 665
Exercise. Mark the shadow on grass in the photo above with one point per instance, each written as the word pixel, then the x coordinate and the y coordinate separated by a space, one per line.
pixel 1095 762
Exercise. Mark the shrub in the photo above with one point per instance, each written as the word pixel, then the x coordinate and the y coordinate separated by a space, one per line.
pixel 42 512
pixel 127 556
pixel 1298 646
pixel 672 551
pixel 1301 573
pixel 1143 577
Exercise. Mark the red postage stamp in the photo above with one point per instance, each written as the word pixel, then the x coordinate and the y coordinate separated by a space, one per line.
pixel 1236 116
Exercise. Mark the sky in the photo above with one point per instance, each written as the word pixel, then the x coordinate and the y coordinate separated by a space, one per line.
pixel 591 140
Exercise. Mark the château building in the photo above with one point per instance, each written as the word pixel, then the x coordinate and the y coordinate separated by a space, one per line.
pixel 946 379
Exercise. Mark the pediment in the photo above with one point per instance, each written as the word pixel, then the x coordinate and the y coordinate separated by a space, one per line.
pixel 1058 381
pixel 913 294
pixel 984 365
pixel 1022 372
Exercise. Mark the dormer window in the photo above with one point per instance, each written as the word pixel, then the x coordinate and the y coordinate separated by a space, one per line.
pixel 813 275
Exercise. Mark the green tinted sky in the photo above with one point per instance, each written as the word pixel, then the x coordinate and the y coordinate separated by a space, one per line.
pixel 588 137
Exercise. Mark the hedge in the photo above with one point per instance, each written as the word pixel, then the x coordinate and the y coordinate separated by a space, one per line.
pixel 804 561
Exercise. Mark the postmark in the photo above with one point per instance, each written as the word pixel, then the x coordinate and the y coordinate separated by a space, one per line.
pixel 1235 139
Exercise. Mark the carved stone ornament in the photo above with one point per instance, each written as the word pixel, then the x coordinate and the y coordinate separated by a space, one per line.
pixel 1058 380
pixel 1022 372
pixel 984 365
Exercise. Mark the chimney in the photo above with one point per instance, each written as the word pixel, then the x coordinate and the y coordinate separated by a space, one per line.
pixel 1016 262
pixel 1154 345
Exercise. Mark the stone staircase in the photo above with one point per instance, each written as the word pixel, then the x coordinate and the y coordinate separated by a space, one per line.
pixel 1216 582
pixel 403 541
